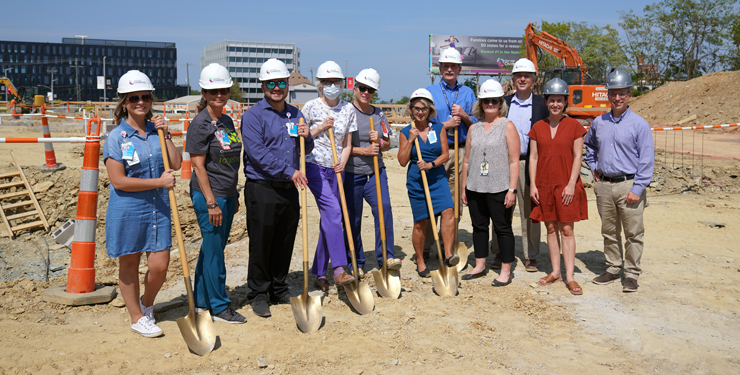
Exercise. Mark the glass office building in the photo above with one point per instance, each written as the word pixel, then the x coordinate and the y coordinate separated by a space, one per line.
pixel 244 59
pixel 77 62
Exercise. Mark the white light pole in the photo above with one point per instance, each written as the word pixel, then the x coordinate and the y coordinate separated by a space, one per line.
pixel 52 71
pixel 105 83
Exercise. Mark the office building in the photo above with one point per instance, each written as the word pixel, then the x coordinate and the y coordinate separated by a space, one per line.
pixel 243 60
pixel 77 62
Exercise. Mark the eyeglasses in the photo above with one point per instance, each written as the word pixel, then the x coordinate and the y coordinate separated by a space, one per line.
pixel 146 98
pixel 420 109
pixel 487 101
pixel 280 85
pixel 214 92
pixel 369 90
pixel 623 94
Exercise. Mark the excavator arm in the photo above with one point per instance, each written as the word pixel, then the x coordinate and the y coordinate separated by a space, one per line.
pixel 556 47
pixel 6 81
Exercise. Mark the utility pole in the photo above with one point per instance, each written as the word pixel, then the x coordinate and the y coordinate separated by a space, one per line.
pixel 52 71
pixel 311 69
pixel 187 75
pixel 77 78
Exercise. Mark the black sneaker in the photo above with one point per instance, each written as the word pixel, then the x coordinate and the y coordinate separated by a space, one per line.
pixel 228 315
pixel 282 300
pixel 260 307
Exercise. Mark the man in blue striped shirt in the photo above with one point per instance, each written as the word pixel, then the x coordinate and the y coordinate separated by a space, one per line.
pixel 621 155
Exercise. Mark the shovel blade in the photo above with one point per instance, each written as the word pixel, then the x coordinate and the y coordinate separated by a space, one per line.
pixel 444 281
pixel 198 332
pixel 463 252
pixel 388 286
pixel 307 312
pixel 360 296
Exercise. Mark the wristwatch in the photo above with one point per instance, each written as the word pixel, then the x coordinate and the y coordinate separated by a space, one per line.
pixel 512 191
pixel 212 205
pixel 434 165
pixel 168 135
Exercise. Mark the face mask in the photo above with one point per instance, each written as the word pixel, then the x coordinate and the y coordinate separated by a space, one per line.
pixel 332 92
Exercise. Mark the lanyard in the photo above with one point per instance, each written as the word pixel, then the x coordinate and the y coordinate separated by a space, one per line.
pixel 449 107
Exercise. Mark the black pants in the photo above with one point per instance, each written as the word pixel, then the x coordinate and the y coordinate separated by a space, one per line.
pixel 272 220
pixel 487 207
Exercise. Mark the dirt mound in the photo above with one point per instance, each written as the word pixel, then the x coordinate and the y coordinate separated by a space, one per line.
pixel 709 97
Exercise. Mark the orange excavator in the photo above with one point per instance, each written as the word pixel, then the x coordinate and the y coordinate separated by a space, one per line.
pixel 587 98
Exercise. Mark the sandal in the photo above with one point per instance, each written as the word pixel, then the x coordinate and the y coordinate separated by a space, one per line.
pixel 572 286
pixel 549 279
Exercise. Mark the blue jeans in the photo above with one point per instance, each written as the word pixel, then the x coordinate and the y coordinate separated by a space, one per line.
pixel 210 273
pixel 357 187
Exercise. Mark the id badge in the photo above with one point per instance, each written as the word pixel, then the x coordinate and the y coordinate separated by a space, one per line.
pixel 134 160
pixel 484 168
pixel 432 137
pixel 292 129
pixel 128 151
pixel 223 139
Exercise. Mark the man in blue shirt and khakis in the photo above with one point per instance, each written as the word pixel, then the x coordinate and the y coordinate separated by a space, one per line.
pixel 621 155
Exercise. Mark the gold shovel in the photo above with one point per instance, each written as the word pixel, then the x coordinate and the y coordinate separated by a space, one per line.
pixel 444 279
pixel 196 328
pixel 460 248
pixel 306 309
pixel 358 292
pixel 388 282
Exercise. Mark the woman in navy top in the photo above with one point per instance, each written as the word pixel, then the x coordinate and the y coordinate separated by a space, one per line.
pixel 138 216
pixel 434 152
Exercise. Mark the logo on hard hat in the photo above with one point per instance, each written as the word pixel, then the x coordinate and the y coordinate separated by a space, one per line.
pixel 215 79
pixel 136 81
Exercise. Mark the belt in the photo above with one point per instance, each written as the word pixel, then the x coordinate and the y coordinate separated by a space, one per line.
pixel 522 157
pixel 275 184
pixel 621 178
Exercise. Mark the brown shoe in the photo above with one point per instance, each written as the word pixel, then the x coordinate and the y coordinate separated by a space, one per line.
pixel 605 278
pixel 322 284
pixel 530 265
pixel 344 278
pixel 630 285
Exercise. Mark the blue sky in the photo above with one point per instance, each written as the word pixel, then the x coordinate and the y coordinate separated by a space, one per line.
pixel 391 37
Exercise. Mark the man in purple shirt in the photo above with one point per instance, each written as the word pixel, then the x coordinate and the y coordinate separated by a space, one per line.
pixel 270 134
pixel 621 155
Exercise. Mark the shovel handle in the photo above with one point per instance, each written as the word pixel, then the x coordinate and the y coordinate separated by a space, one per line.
pixel 457 180
pixel 379 198
pixel 426 191
pixel 173 207
pixel 304 217
pixel 343 200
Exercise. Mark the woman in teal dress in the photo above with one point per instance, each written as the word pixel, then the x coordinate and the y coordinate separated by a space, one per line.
pixel 434 153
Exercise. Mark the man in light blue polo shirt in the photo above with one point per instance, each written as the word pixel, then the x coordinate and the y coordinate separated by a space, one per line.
pixel 453 101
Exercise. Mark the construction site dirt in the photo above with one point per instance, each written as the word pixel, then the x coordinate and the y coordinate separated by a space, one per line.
pixel 683 319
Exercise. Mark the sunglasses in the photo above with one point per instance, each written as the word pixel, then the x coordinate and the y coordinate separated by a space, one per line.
pixel 214 92
pixel 146 98
pixel 366 89
pixel 488 101
pixel 280 85
pixel 420 109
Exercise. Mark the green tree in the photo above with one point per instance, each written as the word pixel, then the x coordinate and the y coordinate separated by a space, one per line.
pixel 600 47
pixel 404 100
pixel 472 83
pixel 646 49
pixel 698 34
pixel 235 92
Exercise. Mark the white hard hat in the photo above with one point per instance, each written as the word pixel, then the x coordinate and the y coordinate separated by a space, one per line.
pixel 369 77
pixel 273 69
pixel 133 81
pixel 329 69
pixel 422 93
pixel 450 55
pixel 491 88
pixel 214 76
pixel 524 65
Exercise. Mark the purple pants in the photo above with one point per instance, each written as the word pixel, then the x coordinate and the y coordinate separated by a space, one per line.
pixel 323 184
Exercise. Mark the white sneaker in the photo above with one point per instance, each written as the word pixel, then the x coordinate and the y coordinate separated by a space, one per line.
pixel 147 311
pixel 146 327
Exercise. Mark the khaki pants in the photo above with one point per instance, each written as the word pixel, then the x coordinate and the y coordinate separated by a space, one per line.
pixel 530 230
pixel 617 215
pixel 449 168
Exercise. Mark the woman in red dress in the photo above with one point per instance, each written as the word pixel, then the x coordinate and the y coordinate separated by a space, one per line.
pixel 558 196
